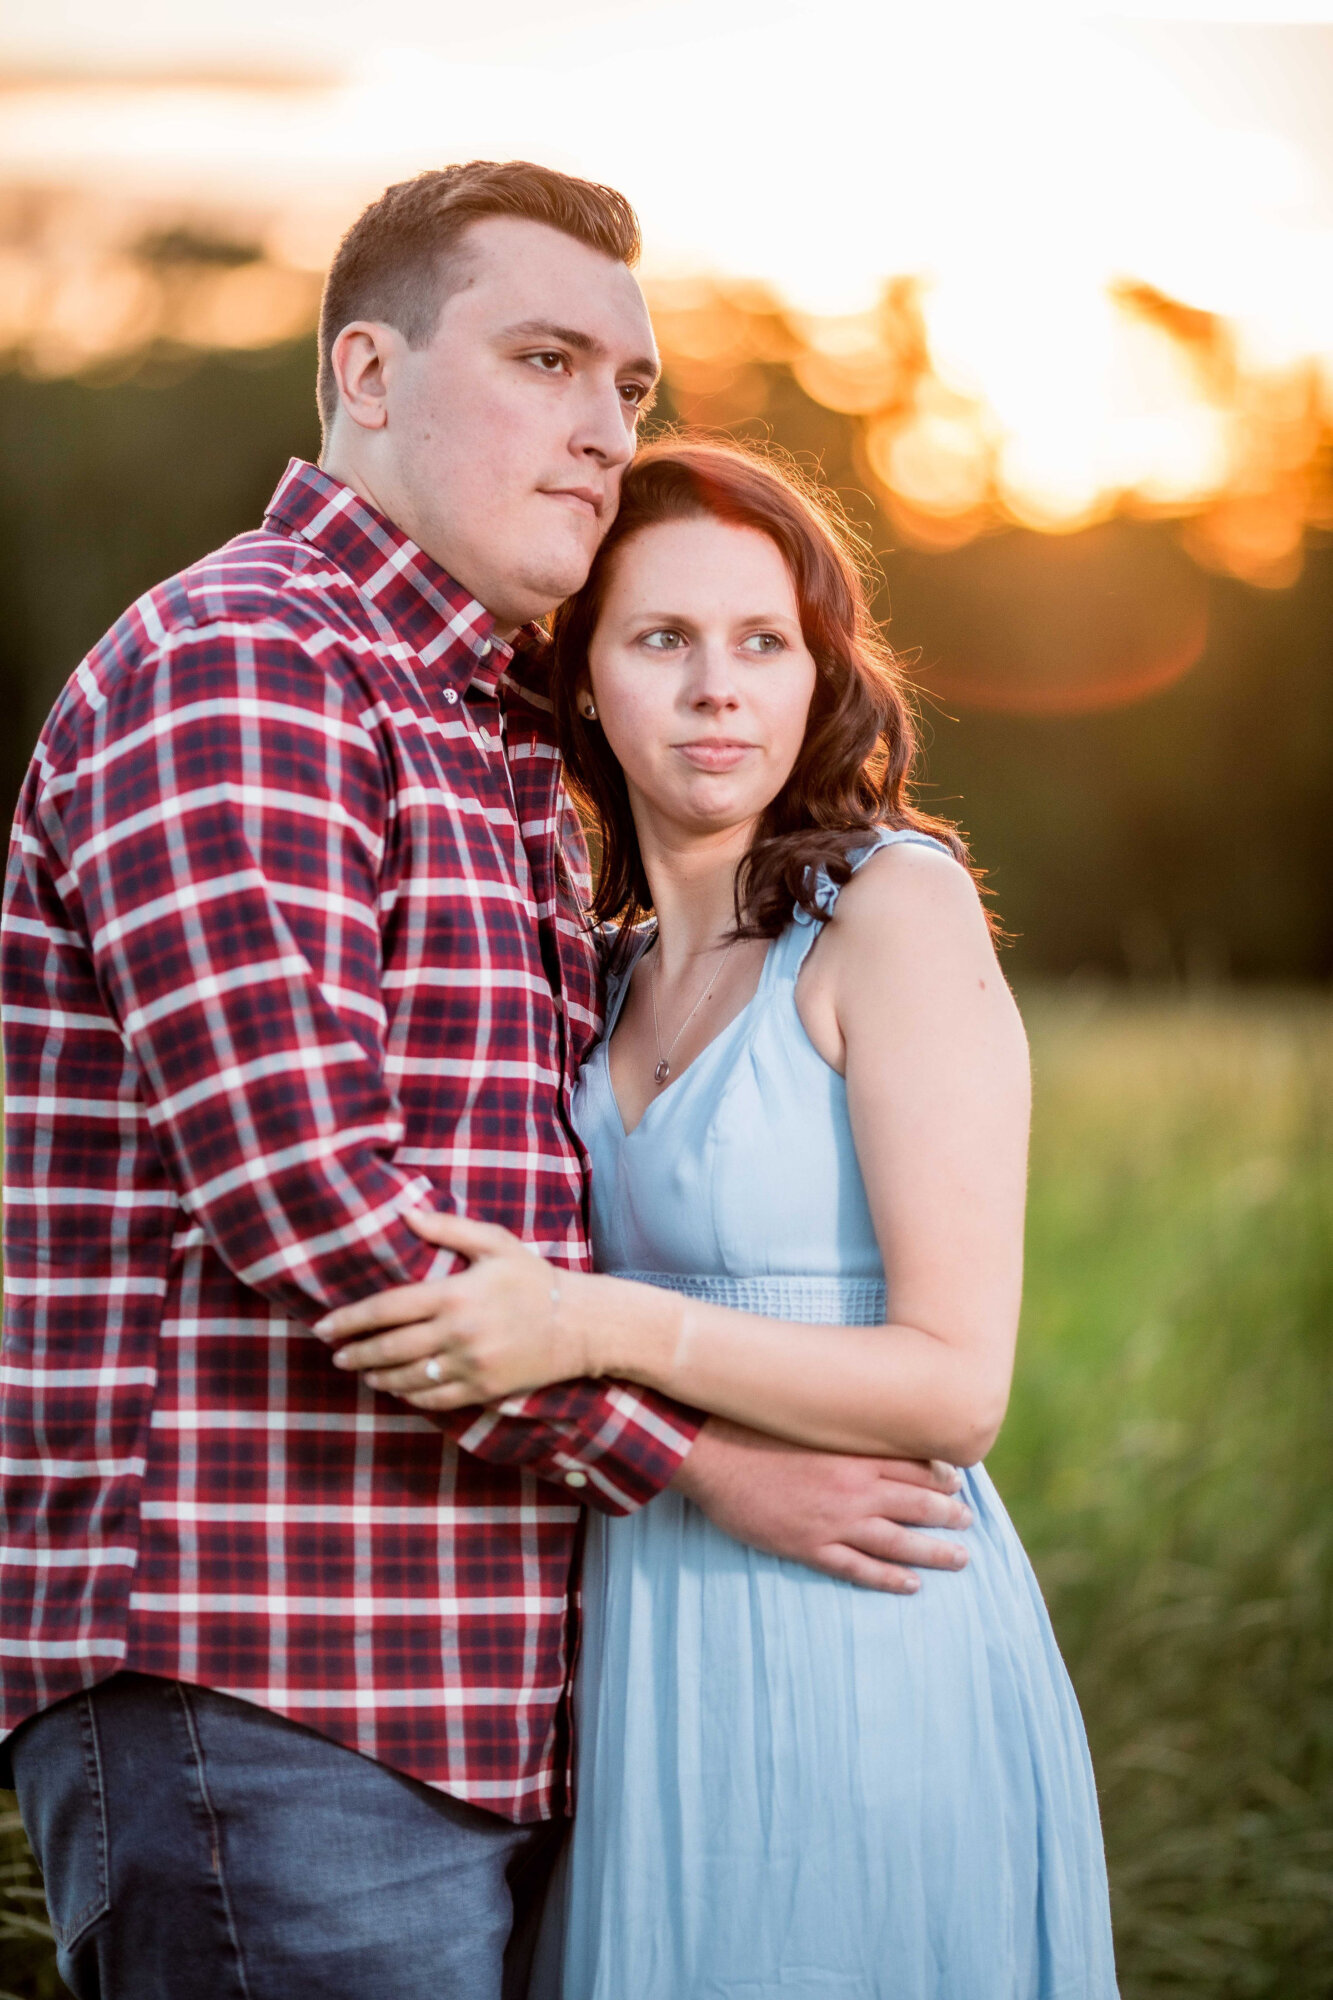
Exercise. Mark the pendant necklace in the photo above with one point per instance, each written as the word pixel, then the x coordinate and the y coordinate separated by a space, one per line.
pixel 663 1070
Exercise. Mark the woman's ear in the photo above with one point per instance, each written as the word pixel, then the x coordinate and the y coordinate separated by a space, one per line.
pixel 584 702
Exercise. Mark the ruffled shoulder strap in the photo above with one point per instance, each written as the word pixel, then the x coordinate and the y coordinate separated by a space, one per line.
pixel 804 928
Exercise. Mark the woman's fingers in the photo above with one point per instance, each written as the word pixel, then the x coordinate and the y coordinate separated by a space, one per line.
pixel 460 1232
pixel 390 1350
pixel 413 1378
pixel 448 1396
pixel 399 1307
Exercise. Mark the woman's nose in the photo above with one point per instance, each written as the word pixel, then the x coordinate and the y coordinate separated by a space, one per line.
pixel 714 685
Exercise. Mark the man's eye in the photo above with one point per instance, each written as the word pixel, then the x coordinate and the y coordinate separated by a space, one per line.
pixel 637 394
pixel 550 362
pixel 765 642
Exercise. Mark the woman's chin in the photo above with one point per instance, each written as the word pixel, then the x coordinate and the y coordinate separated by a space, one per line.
pixel 711 809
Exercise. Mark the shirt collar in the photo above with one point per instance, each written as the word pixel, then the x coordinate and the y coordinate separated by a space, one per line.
pixel 445 627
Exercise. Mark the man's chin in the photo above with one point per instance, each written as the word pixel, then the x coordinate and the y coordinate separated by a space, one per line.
pixel 550 582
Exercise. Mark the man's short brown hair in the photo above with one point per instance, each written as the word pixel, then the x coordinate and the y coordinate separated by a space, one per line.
pixel 392 265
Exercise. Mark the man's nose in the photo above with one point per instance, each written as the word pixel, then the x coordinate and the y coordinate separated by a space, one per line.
pixel 603 432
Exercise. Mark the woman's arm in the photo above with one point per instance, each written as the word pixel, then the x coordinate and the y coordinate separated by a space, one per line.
pixel 904 993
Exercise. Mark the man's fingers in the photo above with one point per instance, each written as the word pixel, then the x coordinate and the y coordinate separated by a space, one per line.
pixel 887 1542
pixel 391 1350
pixel 854 1566
pixel 935 1473
pixel 398 1307
pixel 921 1506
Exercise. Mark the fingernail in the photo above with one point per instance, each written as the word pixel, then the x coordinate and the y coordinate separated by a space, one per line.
pixel 912 1584
pixel 959 1558
pixel 324 1327
pixel 965 1518
pixel 372 1381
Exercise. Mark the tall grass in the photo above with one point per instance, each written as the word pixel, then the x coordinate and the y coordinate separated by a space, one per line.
pixel 1166 1458
pixel 1167 1461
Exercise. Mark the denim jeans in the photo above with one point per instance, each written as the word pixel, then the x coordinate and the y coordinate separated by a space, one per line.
pixel 197 1848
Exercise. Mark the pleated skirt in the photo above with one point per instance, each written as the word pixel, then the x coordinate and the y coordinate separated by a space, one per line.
pixel 791 1786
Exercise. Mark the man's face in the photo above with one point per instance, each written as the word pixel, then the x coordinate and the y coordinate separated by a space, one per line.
pixel 507 433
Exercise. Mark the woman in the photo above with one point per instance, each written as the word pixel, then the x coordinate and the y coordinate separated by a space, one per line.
pixel 812 1077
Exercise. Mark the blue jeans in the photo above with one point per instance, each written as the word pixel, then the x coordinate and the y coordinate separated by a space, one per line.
pixel 198 1848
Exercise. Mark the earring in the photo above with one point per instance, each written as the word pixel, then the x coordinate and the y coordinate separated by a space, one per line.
pixel 590 711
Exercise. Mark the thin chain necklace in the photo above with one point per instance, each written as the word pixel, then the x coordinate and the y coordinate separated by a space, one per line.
pixel 663 1070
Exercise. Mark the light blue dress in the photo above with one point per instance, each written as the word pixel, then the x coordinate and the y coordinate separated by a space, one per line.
pixel 789 1786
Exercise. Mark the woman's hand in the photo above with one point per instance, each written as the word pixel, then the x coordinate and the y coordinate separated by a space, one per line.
pixel 493 1330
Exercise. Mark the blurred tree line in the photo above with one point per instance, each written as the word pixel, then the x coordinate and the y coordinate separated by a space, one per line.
pixel 1140 752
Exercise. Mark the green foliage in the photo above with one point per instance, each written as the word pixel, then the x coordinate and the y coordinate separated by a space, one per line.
pixel 1179 834
pixel 1166 1460
pixel 27 1949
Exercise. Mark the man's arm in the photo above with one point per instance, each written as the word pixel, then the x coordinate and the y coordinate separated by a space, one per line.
pixel 220 848
pixel 859 1519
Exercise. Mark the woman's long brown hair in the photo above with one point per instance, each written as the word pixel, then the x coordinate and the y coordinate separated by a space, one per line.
pixel 854 768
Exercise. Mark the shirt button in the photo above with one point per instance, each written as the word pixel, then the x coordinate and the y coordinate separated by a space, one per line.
pixel 576 1479
pixel 451 696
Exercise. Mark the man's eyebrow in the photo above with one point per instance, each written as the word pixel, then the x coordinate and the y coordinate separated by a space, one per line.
pixel 581 342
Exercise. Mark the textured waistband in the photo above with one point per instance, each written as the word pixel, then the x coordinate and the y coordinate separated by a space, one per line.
pixel 829 1301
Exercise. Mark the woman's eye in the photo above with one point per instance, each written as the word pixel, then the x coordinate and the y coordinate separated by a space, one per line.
pixel 664 639
pixel 765 642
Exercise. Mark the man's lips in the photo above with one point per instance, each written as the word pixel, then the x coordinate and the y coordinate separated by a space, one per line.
pixel 585 498
pixel 714 753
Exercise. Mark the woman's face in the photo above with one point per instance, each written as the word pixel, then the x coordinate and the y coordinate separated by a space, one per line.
pixel 700 675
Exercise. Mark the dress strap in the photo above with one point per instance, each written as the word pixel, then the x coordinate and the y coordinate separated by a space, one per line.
pixel 793 947
pixel 617 984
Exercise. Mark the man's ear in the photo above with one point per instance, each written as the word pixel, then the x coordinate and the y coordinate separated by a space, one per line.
pixel 362 359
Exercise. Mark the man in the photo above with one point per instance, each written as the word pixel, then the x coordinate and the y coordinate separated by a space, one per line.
pixel 291 946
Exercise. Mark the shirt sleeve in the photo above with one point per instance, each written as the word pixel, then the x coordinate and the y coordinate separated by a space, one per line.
pixel 222 842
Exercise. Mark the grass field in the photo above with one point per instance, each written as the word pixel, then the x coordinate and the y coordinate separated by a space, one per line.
pixel 1167 1461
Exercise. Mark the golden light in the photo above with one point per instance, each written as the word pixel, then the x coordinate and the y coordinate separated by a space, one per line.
pixel 1051 268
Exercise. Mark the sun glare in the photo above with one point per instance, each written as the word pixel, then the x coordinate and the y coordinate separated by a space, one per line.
pixel 1045 272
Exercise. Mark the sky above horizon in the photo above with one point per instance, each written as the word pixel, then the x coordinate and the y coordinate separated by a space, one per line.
pixel 1031 170
pixel 816 148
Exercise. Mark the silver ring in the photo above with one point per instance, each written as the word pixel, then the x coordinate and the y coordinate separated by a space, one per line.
pixel 434 1372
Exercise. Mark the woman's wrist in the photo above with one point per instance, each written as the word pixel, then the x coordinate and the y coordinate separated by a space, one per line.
pixel 627 1330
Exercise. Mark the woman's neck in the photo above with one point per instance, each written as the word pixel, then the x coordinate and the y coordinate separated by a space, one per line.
pixel 693 886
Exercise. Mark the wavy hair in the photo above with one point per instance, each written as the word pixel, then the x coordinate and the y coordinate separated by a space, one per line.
pixel 853 771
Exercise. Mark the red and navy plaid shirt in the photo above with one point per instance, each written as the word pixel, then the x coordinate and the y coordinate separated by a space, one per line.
pixel 291 943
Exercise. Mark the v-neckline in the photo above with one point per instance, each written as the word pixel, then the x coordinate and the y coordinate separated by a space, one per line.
pixel 604 1046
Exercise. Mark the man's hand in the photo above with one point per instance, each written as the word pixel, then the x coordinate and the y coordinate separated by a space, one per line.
pixel 853 1518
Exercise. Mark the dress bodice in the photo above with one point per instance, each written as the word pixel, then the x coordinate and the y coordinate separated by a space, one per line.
pixel 744 1167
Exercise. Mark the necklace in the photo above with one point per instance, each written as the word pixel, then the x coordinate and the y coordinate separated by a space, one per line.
pixel 663 1070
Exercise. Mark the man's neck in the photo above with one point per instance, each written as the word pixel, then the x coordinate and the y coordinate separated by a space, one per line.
pixel 333 466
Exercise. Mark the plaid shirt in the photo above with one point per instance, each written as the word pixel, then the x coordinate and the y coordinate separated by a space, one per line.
pixel 291 943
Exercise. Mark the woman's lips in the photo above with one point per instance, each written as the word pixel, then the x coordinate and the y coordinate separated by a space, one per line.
pixel 714 756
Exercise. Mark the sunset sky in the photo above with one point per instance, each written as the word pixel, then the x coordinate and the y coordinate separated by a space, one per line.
pixel 1020 163
pixel 819 147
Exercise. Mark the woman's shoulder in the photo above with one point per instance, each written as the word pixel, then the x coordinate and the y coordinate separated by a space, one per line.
pixel 907 886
